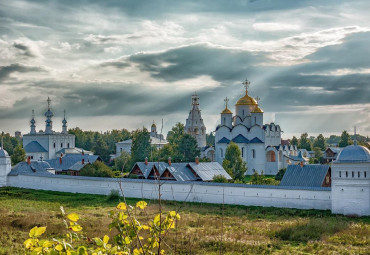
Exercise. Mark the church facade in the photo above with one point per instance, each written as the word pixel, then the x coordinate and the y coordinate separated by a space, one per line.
pixel 259 143
pixel 49 144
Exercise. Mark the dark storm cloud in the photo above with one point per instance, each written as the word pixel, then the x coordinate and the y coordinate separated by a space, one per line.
pixel 193 61
pixel 6 71
pixel 24 49
pixel 116 64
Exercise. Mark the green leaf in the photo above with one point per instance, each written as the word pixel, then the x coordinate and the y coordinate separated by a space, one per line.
pixel 98 241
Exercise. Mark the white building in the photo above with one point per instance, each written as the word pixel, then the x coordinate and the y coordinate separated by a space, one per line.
pixel 47 144
pixel 351 181
pixel 156 140
pixel 5 165
pixel 260 144
pixel 194 123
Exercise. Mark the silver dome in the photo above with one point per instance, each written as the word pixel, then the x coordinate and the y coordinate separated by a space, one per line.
pixel 354 153
pixel 3 153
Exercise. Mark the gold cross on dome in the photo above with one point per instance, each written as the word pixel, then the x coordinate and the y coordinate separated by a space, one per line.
pixel 246 84
pixel 226 101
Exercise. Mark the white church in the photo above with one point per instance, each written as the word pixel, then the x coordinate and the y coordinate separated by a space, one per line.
pixel 49 144
pixel 259 143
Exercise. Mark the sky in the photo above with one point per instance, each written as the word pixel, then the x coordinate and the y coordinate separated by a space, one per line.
pixel 124 64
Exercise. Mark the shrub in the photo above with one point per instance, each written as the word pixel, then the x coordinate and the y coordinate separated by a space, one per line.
pixel 113 195
pixel 128 239
pixel 219 178
pixel 280 174
pixel 97 169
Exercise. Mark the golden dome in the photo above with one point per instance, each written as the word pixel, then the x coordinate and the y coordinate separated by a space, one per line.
pixel 226 110
pixel 257 109
pixel 246 100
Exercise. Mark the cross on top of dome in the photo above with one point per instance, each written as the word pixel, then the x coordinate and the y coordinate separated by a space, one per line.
pixel 246 84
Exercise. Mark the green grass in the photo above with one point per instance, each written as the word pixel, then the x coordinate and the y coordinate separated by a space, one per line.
pixel 246 230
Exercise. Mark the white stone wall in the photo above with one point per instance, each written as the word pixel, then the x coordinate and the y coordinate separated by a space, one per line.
pixel 351 195
pixel 191 192
pixel 5 168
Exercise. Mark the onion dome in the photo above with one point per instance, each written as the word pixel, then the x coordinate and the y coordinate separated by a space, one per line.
pixel 354 154
pixel 153 125
pixel 246 100
pixel 226 111
pixel 3 153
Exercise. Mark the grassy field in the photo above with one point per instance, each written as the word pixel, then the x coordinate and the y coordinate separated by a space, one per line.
pixel 246 230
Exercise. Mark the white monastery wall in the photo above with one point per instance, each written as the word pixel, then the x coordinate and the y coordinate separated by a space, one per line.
pixel 191 192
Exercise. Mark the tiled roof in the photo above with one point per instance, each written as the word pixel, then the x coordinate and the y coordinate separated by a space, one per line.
pixel 256 140
pixel 70 160
pixel 306 176
pixel 224 140
pixel 240 139
pixel 34 146
pixel 36 167
pixel 181 172
pixel 145 169
pixel 207 170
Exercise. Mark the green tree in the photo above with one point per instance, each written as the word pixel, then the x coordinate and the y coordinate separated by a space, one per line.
pixel 344 139
pixel 173 136
pixel 304 142
pixel 18 155
pixel 97 169
pixel 320 142
pixel 294 141
pixel 165 152
pixel 210 139
pixel 318 153
pixel 140 147
pixel 123 162
pixel 233 162
pixel 187 149
pixel 101 148
pixel 279 176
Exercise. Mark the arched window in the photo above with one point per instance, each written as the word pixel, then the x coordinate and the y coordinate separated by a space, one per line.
pixel 242 152
pixel 243 113
pixel 61 145
pixel 353 174
pixel 271 156
pixel 68 145
pixel 358 174
pixel 253 153
pixel 54 145
pixel 221 153
pixel 340 174
pixel 365 174
pixel 224 121
pixel 255 120
pixel 346 174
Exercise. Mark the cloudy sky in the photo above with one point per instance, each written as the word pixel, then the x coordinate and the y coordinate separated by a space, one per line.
pixel 123 64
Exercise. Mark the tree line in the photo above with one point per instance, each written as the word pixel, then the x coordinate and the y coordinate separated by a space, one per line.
pixel 321 142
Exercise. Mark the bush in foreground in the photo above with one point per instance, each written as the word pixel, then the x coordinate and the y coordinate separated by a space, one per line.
pixel 128 240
